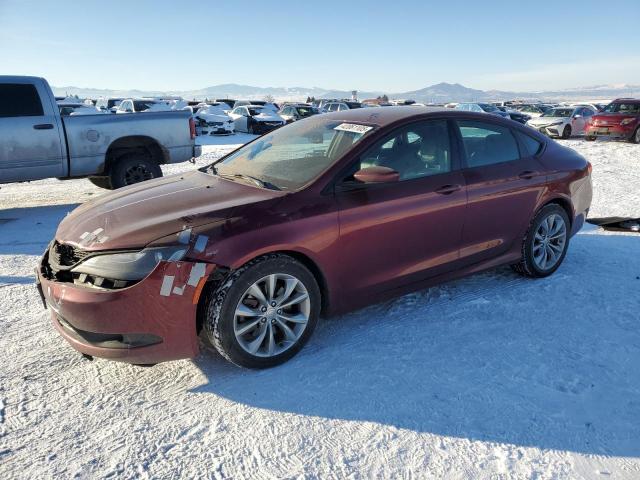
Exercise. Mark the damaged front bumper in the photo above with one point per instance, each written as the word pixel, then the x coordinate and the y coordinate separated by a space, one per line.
pixel 151 321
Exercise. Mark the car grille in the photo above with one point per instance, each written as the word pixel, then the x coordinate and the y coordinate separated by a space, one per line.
pixel 273 124
pixel 62 255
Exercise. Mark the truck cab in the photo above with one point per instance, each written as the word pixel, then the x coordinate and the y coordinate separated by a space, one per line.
pixel 33 143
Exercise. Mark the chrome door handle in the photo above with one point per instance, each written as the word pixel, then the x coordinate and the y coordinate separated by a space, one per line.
pixel 43 126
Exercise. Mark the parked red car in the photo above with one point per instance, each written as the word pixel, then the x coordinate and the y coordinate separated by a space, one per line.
pixel 325 215
pixel 619 119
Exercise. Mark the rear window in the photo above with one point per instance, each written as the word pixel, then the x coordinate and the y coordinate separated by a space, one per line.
pixel 531 145
pixel 487 143
pixel 19 100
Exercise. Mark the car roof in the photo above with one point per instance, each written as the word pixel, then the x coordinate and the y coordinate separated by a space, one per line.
pixel 387 115
pixel 626 100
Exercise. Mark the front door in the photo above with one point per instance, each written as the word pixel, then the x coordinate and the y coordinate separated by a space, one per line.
pixel 30 145
pixel 396 233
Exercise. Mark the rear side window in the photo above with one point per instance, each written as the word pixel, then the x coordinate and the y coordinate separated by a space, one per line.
pixel 487 144
pixel 19 100
pixel 531 145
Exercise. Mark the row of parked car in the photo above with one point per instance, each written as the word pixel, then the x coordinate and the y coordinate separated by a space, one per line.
pixel 619 119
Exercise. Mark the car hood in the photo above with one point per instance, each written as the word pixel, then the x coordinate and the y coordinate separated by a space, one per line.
pixel 547 120
pixel 213 117
pixel 134 216
pixel 618 117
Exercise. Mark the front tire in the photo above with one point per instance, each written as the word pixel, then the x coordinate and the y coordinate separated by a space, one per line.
pixel 102 182
pixel 635 138
pixel 264 313
pixel 132 169
pixel 545 243
pixel 566 132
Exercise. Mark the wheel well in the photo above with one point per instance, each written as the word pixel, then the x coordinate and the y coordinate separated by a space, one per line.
pixel 136 144
pixel 317 273
pixel 565 204
pixel 221 273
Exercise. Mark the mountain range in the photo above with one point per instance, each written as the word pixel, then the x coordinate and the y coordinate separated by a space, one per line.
pixel 439 93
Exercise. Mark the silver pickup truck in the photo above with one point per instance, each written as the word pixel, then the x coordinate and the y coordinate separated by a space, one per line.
pixel 112 150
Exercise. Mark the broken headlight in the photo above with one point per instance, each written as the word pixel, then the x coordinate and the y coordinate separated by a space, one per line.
pixel 129 265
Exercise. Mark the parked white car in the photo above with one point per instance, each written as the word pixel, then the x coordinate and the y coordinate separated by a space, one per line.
pixel 563 121
pixel 255 119
pixel 260 103
pixel 213 120
pixel 134 106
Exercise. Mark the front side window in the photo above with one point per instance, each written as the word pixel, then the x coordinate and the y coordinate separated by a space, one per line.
pixel 19 100
pixel 294 155
pixel 419 150
pixel 487 144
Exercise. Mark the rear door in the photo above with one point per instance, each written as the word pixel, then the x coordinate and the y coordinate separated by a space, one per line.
pixel 396 233
pixel 504 182
pixel 579 120
pixel 30 140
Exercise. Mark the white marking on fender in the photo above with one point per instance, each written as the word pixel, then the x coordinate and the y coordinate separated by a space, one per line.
pixel 197 272
pixel 167 283
pixel 178 290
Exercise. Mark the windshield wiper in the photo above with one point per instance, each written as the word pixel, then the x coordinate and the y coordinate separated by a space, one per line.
pixel 257 181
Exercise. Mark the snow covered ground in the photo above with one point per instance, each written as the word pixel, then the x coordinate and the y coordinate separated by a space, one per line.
pixel 489 377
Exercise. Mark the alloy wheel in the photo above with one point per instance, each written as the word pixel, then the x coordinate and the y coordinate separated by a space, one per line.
pixel 272 315
pixel 549 241
pixel 136 174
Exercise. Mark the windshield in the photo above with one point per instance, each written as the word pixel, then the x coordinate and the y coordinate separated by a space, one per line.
pixel 633 108
pixel 558 112
pixel 139 106
pixel 294 155
pixel 488 108
pixel 256 111
pixel 307 111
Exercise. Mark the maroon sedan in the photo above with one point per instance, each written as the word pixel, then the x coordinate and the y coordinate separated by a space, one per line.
pixel 327 214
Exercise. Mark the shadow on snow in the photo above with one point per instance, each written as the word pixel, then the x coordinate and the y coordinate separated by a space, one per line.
pixel 551 363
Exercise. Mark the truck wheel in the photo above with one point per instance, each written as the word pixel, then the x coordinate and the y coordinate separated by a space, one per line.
pixel 131 169
pixel 102 182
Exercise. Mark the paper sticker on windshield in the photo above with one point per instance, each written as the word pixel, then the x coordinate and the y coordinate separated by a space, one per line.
pixel 353 128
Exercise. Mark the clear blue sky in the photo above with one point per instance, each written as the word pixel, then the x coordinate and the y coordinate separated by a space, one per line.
pixel 387 46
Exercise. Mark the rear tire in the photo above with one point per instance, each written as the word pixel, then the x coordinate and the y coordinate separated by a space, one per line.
pixel 102 182
pixel 547 237
pixel 236 335
pixel 131 169
pixel 566 132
